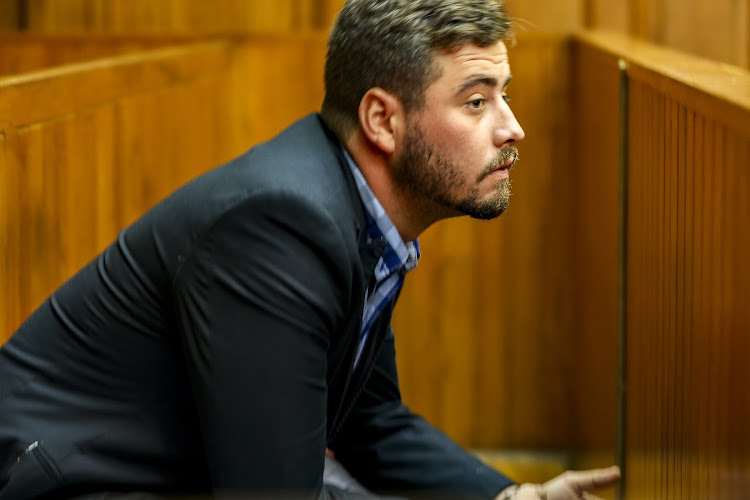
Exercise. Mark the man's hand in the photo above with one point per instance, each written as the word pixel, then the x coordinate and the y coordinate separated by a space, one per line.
pixel 567 486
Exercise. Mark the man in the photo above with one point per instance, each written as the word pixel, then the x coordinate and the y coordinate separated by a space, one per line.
pixel 241 326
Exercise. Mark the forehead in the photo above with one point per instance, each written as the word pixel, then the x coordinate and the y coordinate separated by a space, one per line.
pixel 470 60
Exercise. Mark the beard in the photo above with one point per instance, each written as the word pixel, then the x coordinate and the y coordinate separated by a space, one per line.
pixel 429 174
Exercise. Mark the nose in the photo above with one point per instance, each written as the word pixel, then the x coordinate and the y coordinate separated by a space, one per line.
pixel 508 129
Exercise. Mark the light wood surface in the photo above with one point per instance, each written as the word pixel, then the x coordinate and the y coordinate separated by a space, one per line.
pixel 23 53
pixel 718 30
pixel 192 16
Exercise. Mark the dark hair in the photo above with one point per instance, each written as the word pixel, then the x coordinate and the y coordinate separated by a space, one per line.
pixel 391 43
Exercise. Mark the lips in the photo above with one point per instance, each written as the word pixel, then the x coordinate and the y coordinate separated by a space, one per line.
pixel 504 162
pixel 508 163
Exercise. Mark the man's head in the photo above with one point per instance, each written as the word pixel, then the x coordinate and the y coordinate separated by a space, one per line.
pixel 416 89
pixel 391 44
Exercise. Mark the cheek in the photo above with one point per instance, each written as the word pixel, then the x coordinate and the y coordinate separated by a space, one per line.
pixel 457 143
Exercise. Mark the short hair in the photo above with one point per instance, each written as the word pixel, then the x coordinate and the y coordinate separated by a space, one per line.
pixel 391 44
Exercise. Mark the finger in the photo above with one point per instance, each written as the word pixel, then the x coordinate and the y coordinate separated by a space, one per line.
pixel 593 479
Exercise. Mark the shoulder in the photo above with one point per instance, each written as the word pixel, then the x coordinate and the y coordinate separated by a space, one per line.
pixel 297 182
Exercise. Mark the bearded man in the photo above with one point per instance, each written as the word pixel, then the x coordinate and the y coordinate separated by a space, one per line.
pixel 242 326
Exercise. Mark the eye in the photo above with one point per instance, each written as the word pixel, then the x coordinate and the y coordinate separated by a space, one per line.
pixel 506 98
pixel 477 104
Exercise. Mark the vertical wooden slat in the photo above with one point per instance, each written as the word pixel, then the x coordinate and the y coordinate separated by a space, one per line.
pixel 594 258
pixel 10 15
pixel 685 334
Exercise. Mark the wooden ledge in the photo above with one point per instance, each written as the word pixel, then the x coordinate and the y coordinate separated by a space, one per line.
pixel 703 82
pixel 42 95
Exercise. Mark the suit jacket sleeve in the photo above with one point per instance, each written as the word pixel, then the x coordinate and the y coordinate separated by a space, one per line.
pixel 387 447
pixel 257 300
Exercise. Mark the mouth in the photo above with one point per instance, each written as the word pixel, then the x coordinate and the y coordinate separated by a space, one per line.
pixel 508 164
pixel 504 167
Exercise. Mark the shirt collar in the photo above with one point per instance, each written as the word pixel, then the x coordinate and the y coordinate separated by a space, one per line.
pixel 397 253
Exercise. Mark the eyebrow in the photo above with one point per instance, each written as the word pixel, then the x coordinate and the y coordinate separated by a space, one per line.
pixel 481 80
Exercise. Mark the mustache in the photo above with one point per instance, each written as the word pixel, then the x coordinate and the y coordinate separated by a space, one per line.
pixel 510 152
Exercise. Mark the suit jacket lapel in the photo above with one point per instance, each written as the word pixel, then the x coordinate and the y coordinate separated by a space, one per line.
pixel 346 386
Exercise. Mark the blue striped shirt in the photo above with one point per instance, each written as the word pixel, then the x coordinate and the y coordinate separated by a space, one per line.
pixel 396 260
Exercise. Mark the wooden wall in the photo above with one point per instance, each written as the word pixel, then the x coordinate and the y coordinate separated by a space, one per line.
pixel 22 53
pixel 686 268
pixel 175 16
pixel 719 29
pixel 688 278
pixel 89 147
pixel 594 255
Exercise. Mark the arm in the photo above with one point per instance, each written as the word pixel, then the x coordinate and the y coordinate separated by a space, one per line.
pixel 386 447
pixel 257 301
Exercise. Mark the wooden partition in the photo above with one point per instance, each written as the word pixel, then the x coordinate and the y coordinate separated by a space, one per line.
pixel 687 272
pixel 23 53
pixel 170 16
pixel 87 148
pixel 595 214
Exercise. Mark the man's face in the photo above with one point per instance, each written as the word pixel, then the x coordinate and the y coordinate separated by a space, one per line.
pixel 457 150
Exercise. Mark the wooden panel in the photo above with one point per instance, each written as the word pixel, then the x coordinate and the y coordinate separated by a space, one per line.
pixel 724 33
pixel 22 53
pixel 607 15
pixel 10 18
pixel 483 324
pixel 561 16
pixel 595 251
pixel 89 147
pixel 718 30
pixel 127 16
pixel 689 243
pixel 687 275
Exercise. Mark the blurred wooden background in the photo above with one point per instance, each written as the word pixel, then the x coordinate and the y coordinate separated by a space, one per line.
pixel 719 29
pixel 507 340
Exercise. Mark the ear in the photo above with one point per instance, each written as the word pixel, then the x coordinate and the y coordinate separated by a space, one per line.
pixel 381 117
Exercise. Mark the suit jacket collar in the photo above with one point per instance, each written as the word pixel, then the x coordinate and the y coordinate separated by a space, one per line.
pixel 369 255
pixel 369 251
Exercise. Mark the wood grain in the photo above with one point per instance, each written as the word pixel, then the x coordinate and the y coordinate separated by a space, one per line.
pixel 23 53
pixel 180 16
pixel 689 143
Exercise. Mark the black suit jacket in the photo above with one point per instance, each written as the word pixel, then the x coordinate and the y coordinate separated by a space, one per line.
pixel 211 348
